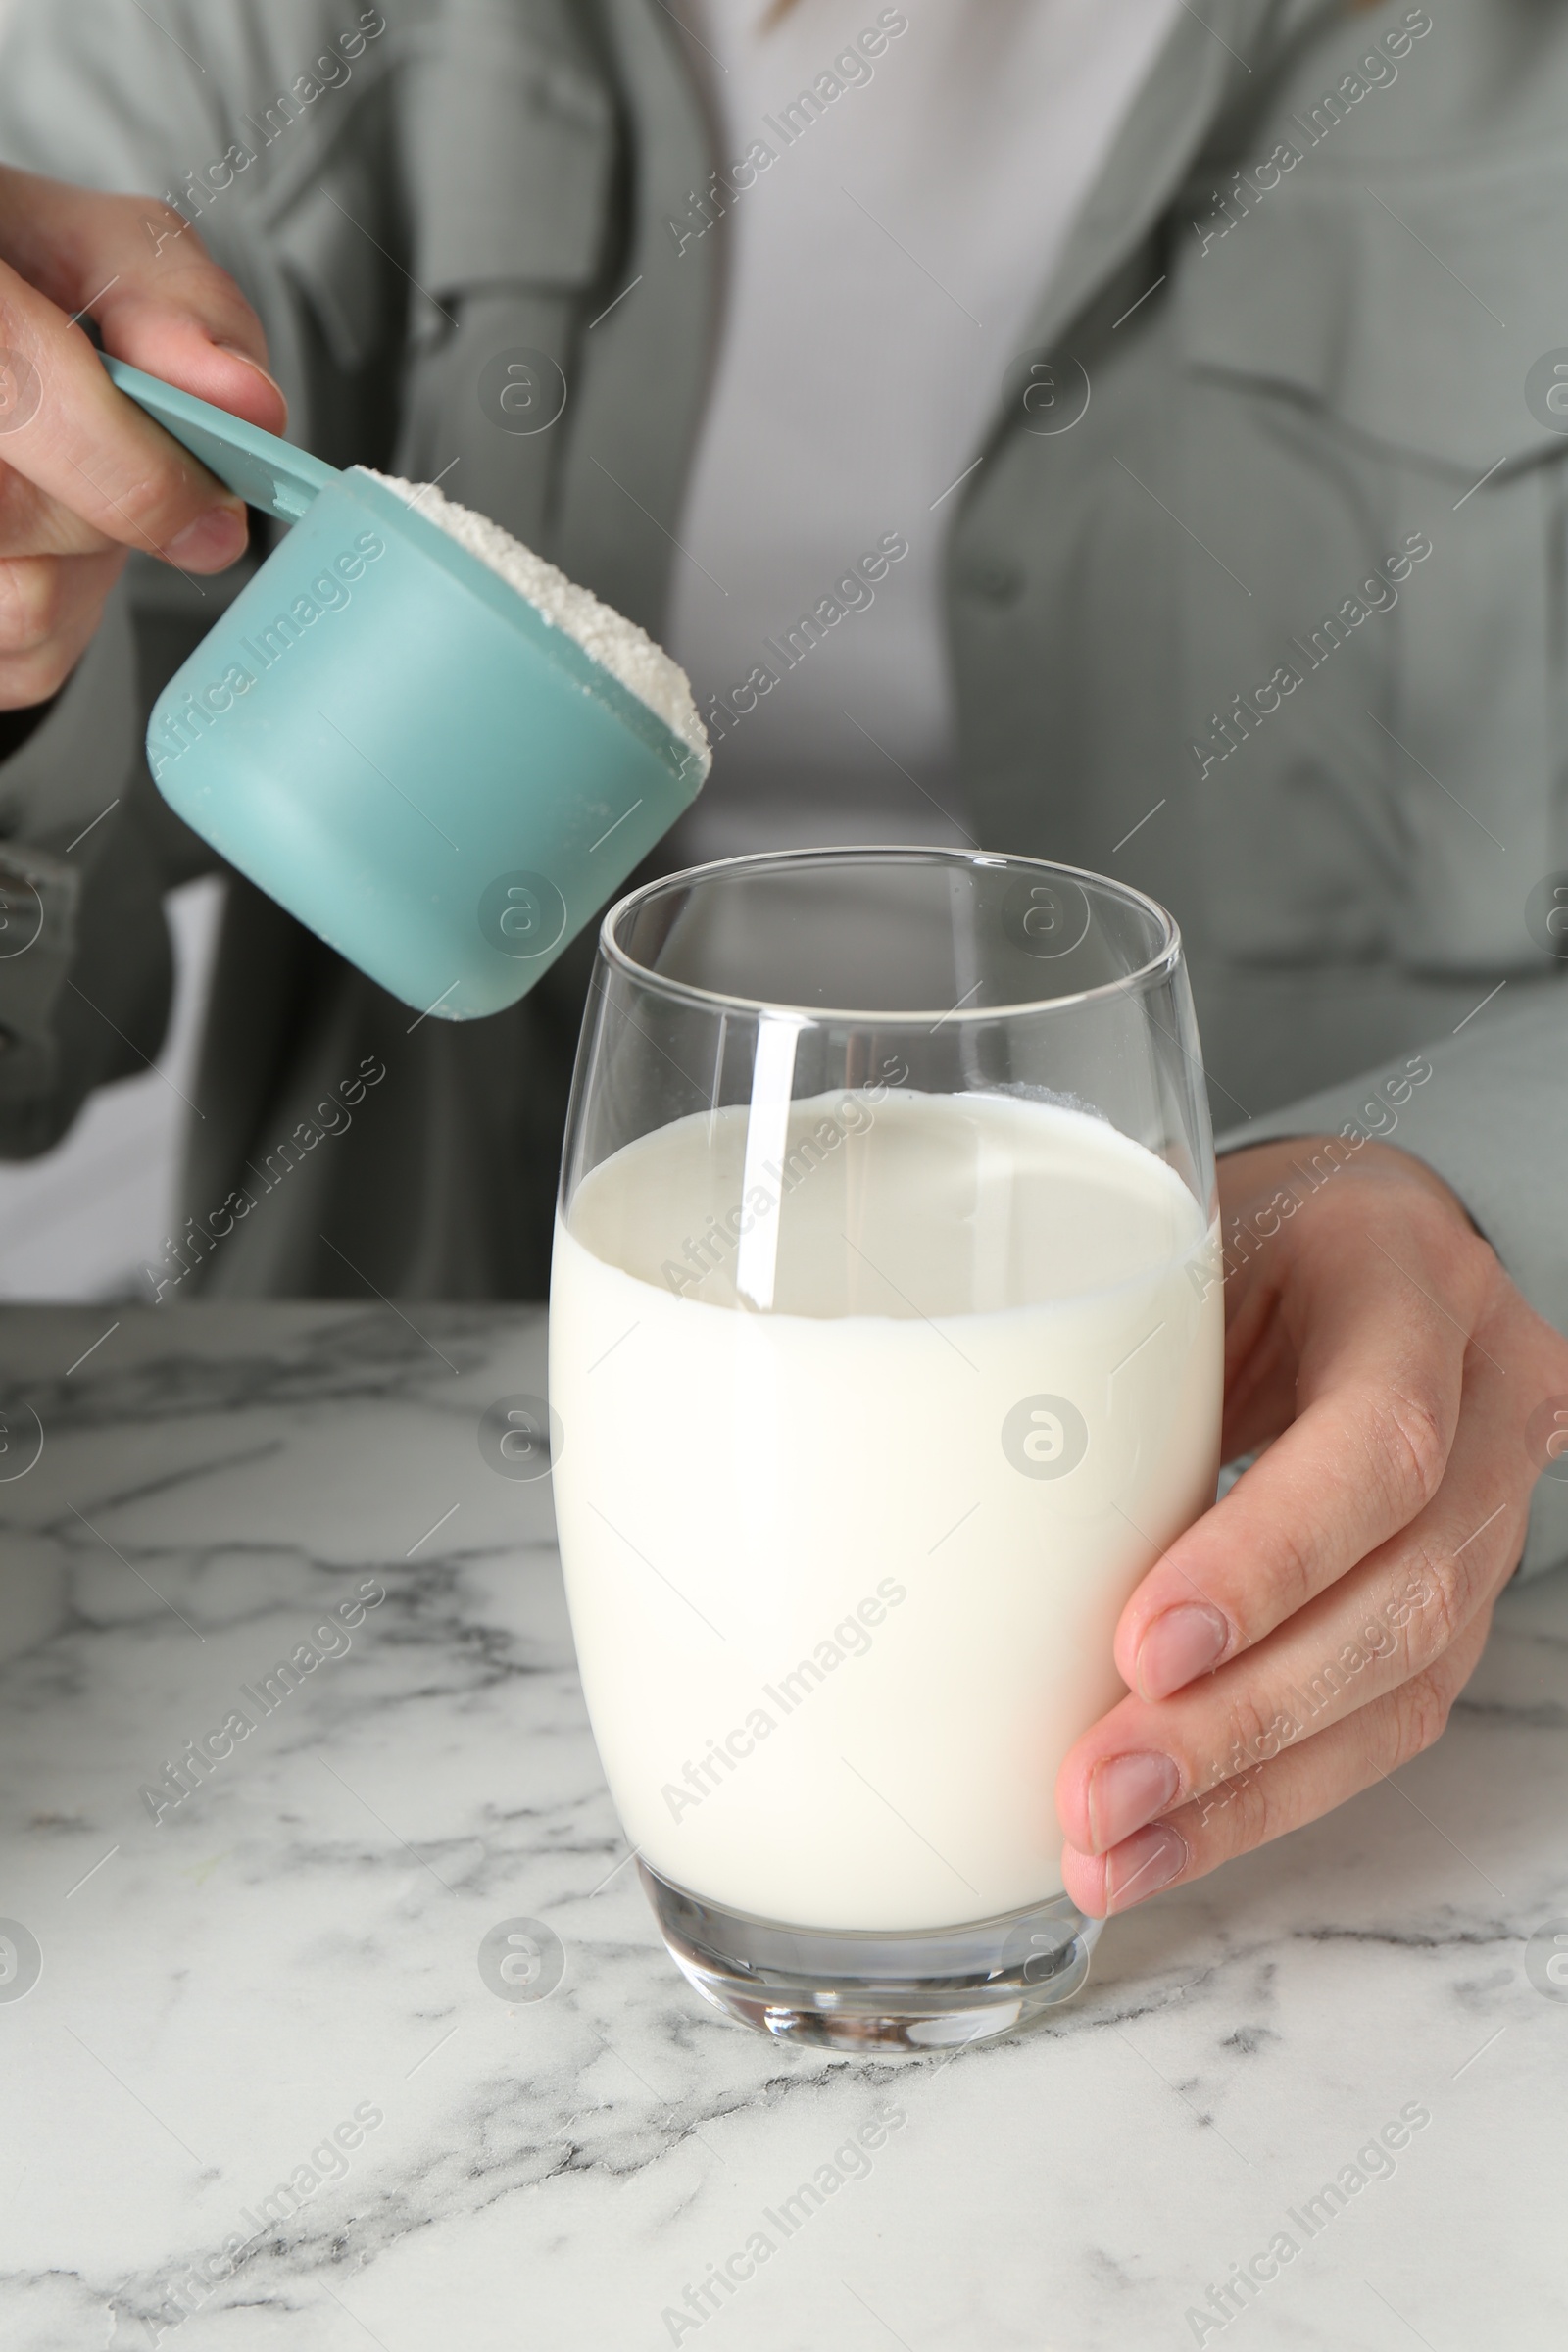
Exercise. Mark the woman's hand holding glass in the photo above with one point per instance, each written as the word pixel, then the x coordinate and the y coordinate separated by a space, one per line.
pixel 1311 1633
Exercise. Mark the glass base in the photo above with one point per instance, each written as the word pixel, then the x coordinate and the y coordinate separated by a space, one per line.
pixel 852 1989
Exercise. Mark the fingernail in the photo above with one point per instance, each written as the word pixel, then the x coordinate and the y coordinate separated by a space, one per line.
pixel 1181 1644
pixel 1145 1864
pixel 210 543
pixel 234 352
pixel 1125 1791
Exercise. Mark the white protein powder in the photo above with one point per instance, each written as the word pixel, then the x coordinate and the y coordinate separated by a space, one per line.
pixel 616 644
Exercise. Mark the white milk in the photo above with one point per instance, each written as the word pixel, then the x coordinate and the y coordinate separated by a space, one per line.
pixel 835 1642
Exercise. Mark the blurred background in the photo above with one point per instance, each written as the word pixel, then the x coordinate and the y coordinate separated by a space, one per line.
pixel 84 1220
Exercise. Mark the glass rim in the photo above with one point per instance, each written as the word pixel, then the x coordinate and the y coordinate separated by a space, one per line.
pixel 1155 966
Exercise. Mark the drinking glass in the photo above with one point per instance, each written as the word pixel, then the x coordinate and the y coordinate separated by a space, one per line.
pixel 885 1358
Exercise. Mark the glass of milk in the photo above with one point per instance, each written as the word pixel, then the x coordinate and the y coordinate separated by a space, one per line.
pixel 886 1353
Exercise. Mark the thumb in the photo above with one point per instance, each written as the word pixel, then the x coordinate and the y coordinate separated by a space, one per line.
pixel 162 304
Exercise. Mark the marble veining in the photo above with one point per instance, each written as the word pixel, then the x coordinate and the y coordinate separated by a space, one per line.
pixel 230 1990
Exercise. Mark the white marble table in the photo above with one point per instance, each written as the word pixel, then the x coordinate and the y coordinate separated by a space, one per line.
pixel 296 1945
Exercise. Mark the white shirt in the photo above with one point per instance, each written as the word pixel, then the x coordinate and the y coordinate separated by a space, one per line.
pixel 881 270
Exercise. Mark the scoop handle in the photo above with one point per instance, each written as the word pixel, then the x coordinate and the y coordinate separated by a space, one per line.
pixel 265 473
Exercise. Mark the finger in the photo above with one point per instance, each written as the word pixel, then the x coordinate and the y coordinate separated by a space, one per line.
pixel 49 609
pixel 67 429
pixel 32 523
pixel 1381 1365
pixel 88 447
pixel 1387 1621
pixel 166 336
pixel 1297 1786
pixel 141 271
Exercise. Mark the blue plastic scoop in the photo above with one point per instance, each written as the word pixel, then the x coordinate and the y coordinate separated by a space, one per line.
pixel 395 745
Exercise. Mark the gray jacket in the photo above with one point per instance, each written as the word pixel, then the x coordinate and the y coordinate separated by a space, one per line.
pixel 1290 587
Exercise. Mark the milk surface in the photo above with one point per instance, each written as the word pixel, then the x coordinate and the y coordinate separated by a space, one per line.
pixel 843 1574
